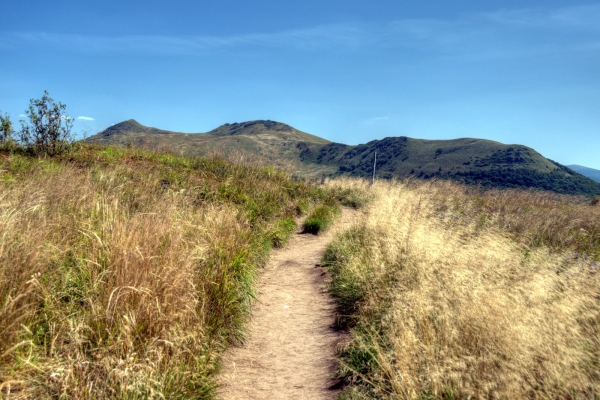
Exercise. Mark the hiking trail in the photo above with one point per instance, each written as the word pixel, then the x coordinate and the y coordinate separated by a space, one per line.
pixel 290 349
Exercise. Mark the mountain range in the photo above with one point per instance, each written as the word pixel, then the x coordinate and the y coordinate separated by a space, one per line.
pixel 473 161
pixel 591 173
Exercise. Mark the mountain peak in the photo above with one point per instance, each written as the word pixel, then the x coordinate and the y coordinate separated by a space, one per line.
pixel 131 125
pixel 251 128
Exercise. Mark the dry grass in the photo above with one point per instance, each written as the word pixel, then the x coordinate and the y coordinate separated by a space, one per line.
pixel 124 273
pixel 452 293
pixel 533 218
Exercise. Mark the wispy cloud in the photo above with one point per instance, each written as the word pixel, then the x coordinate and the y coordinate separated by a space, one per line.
pixel 504 33
pixel 85 118
pixel 374 120
pixel 572 18
pixel 313 38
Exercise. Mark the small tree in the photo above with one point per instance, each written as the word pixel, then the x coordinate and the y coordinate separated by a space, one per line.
pixel 49 128
pixel 6 129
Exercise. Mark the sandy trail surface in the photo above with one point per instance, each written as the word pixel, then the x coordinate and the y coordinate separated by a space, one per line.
pixel 290 351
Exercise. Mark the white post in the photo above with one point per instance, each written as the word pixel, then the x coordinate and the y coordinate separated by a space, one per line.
pixel 374 166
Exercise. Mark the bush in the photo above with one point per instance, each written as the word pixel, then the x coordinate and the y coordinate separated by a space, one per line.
pixel 320 219
pixel 49 129
pixel 6 129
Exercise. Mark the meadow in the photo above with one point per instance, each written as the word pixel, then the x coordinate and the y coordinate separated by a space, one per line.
pixel 124 273
pixel 452 292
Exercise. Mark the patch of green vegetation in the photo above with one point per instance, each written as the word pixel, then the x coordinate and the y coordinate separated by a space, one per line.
pixel 320 219
pixel 302 207
pixel 560 180
pixel 344 286
pixel 281 232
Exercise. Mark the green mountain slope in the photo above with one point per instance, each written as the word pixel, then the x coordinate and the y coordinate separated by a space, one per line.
pixel 591 173
pixel 473 161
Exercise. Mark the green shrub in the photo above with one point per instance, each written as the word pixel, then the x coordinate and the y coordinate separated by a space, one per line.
pixel 49 129
pixel 320 219
pixel 6 129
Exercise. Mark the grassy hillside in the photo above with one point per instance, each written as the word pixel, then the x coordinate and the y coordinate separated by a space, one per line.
pixel 591 173
pixel 406 156
pixel 124 272
pixel 472 161
pixel 452 293
pixel 276 130
pixel 267 141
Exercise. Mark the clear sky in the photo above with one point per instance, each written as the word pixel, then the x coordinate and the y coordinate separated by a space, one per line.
pixel 351 71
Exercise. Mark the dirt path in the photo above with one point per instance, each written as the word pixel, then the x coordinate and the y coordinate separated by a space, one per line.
pixel 290 352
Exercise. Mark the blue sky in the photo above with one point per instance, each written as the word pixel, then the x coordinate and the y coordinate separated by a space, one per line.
pixel 524 72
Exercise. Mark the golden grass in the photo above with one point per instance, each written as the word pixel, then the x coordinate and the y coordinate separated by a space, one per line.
pixel 452 293
pixel 124 273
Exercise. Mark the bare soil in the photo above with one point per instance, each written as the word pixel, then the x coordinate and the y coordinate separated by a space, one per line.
pixel 290 351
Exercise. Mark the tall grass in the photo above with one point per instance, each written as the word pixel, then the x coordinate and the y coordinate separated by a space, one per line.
pixel 533 218
pixel 452 293
pixel 124 273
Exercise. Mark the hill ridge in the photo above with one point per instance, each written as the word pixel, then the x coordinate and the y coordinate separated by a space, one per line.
pixel 254 126
pixel 470 160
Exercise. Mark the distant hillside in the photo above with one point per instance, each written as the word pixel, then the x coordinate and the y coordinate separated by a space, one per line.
pixel 591 173
pixel 131 129
pixel 277 129
pixel 270 141
pixel 473 161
